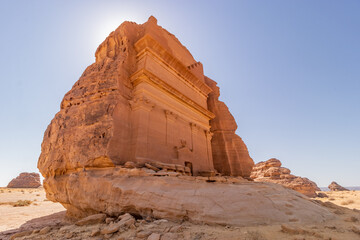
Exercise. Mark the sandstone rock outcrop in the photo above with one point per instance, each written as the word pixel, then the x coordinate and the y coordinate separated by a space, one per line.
pixel 271 171
pixel 25 180
pixel 144 194
pixel 143 132
pixel 230 154
pixel 334 186
pixel 145 99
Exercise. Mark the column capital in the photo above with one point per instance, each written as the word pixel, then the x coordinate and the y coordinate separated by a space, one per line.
pixel 209 134
pixel 170 115
pixel 141 102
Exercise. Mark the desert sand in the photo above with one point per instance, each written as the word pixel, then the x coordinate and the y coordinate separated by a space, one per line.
pixel 14 217
pixel 34 218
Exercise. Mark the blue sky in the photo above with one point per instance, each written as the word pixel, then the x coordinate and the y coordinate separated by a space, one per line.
pixel 289 72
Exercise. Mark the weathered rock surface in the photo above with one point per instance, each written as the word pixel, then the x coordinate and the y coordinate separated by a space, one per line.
pixel 334 186
pixel 25 180
pixel 116 190
pixel 271 171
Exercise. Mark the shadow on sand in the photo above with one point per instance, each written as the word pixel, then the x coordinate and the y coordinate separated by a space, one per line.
pixel 36 223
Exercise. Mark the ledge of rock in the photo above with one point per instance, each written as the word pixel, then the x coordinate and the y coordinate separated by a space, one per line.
pixel 114 191
pixel 271 171
pixel 334 186
pixel 25 180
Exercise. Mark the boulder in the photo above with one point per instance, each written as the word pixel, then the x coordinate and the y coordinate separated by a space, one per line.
pixel 25 180
pixel 271 171
pixel 334 186
pixel 92 219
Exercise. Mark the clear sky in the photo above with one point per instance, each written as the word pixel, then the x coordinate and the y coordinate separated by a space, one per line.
pixel 289 72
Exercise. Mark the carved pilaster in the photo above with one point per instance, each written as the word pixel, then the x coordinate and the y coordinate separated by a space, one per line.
pixel 141 108
pixel 209 136
pixel 170 127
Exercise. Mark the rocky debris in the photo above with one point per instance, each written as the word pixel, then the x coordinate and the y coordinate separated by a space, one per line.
pixel 93 219
pixel 178 198
pixel 162 229
pixel 271 171
pixel 25 180
pixel 336 187
pixel 154 236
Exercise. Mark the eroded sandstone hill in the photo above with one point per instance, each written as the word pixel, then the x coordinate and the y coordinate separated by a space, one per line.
pixel 272 171
pixel 145 99
pixel 25 180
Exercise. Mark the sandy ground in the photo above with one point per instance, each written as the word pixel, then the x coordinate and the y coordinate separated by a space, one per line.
pixel 33 219
pixel 349 199
pixel 13 217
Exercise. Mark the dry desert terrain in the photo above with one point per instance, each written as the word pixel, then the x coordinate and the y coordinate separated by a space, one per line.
pixel 42 219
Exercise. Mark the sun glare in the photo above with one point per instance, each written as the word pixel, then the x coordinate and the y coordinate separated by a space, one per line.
pixel 107 25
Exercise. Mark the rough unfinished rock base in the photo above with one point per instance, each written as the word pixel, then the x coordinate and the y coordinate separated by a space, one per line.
pixel 117 190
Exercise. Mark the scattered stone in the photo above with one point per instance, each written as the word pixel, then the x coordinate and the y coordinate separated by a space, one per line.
pixel 92 219
pixel 355 229
pixel 20 234
pixel 25 180
pixel 111 228
pixel 151 167
pixel 169 236
pixel 130 165
pixel 175 229
pixel 154 236
pixel 160 221
pixel 109 220
pixel 336 187
pixel 45 230
pixel 69 235
pixel 95 232
pixel 108 236
pixel 143 234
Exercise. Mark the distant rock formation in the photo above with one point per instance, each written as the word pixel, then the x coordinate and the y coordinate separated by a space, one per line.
pixel 271 171
pixel 334 186
pixel 25 180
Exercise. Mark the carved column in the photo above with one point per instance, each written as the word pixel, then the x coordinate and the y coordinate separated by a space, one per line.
pixel 170 127
pixel 194 133
pixel 209 136
pixel 141 107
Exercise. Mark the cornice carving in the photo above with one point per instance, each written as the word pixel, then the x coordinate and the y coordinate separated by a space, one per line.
pixel 144 75
pixel 147 44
